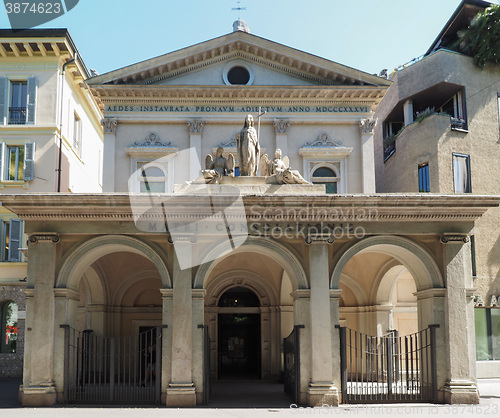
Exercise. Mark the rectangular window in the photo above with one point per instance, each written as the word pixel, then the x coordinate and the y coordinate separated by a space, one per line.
pixel 461 173
pixel 487 324
pixel 11 236
pixel 423 178
pixel 151 177
pixel 77 135
pixel 17 162
pixel 18 107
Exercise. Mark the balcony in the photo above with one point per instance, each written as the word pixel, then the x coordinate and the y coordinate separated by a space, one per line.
pixel 17 115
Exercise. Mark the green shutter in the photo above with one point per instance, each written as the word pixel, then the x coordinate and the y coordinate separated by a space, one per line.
pixel 4 99
pixel 29 161
pixel 32 89
pixel 15 238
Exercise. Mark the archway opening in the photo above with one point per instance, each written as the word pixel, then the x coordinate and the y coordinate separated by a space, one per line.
pixel 239 351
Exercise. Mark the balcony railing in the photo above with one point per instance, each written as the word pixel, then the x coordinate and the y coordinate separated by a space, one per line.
pixel 17 115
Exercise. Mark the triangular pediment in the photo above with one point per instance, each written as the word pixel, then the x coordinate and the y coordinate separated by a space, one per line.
pixel 194 65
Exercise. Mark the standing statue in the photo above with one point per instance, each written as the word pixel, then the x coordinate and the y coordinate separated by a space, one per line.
pixel 218 166
pixel 280 170
pixel 248 147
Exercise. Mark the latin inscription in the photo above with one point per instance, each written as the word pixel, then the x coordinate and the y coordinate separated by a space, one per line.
pixel 238 109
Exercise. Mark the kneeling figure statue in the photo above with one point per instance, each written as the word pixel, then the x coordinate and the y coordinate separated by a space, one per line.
pixel 280 170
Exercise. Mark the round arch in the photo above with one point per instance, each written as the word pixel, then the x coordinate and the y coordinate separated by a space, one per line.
pixel 82 257
pixel 419 263
pixel 241 278
pixel 267 247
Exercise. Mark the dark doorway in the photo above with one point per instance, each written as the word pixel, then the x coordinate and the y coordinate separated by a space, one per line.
pixel 239 346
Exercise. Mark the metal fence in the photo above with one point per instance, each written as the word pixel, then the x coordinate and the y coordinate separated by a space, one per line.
pixel 112 370
pixel 388 368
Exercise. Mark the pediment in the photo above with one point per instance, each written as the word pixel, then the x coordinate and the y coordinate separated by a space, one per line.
pixel 197 64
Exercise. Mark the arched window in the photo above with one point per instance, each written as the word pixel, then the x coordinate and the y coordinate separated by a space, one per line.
pixel 237 297
pixel 327 176
pixel 151 178
pixel 9 327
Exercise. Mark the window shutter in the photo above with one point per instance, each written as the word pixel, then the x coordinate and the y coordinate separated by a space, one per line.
pixel 29 161
pixel 32 89
pixel 15 238
pixel 4 99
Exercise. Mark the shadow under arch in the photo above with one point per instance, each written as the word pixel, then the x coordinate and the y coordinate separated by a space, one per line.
pixel 84 255
pixel 267 247
pixel 418 261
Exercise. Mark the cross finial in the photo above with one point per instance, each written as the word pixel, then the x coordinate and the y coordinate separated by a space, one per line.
pixel 239 8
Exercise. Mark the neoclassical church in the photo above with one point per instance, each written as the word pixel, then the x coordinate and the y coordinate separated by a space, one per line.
pixel 162 284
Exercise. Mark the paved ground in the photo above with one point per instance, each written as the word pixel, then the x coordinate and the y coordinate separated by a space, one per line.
pixel 261 399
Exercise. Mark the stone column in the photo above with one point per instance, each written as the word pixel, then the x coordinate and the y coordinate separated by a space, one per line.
pixel 195 131
pixel 181 391
pixel 367 155
pixel 281 127
pixel 321 390
pixel 198 343
pixel 460 387
pixel 38 385
pixel 108 160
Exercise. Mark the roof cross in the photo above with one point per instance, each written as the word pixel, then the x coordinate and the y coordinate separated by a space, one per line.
pixel 239 8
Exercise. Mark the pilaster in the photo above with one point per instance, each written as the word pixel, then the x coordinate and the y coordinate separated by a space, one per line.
pixel 38 387
pixel 195 132
pixel 281 127
pixel 198 297
pixel 368 155
pixel 166 372
pixel 108 170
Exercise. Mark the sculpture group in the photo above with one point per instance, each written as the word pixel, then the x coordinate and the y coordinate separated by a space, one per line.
pixel 276 170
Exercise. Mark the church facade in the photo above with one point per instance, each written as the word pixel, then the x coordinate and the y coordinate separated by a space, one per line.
pixel 174 277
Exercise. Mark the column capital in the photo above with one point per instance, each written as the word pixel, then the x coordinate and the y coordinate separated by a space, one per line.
pixel 367 126
pixel 430 293
pixel 301 294
pixel 109 125
pixel 67 294
pixel 195 125
pixel 281 125
pixel 54 237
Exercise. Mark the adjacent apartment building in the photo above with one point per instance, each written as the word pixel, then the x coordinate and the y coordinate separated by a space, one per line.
pixel 438 131
pixel 50 141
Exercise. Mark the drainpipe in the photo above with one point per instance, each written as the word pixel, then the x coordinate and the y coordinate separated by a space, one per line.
pixel 71 61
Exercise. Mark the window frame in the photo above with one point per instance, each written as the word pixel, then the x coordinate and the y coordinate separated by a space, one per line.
pixel 77 134
pixel 3 327
pixel 489 334
pixel 8 238
pixel 425 178
pixel 324 180
pixel 468 186
pixel 6 99
pixel 28 164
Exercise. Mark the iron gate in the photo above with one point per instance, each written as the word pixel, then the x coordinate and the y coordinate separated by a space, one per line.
pixel 291 352
pixel 112 370
pixel 388 368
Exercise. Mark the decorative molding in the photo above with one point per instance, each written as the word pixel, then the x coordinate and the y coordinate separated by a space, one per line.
pixel 319 239
pixel 455 238
pixel 195 126
pixel 367 126
pixel 323 141
pixel 109 125
pixel 34 238
pixel 152 140
pixel 281 125
pixel 229 144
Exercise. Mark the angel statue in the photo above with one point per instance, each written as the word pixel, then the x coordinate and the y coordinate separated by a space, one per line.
pixel 218 166
pixel 280 170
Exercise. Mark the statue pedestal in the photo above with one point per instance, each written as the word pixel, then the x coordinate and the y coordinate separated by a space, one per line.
pixel 249 186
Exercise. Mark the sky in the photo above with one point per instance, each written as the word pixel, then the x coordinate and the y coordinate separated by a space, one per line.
pixel 368 35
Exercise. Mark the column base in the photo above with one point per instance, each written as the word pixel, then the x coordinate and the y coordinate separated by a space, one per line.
pixel 319 394
pixel 461 392
pixel 181 395
pixel 38 395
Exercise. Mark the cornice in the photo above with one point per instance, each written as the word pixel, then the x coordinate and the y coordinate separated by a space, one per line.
pixel 264 208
